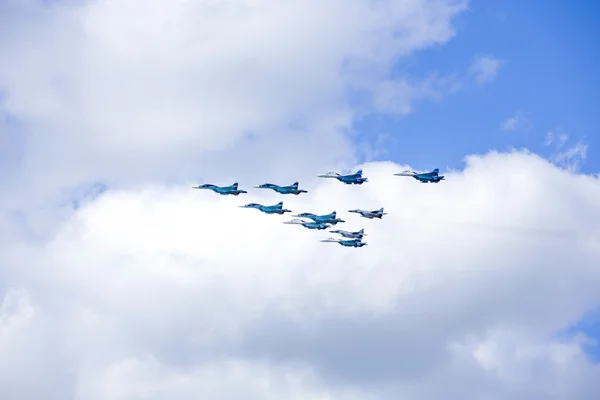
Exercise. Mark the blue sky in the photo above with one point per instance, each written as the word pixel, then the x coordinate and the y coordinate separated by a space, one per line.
pixel 549 76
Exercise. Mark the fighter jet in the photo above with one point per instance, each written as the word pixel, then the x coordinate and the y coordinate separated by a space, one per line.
pixel 425 177
pixel 347 243
pixel 327 218
pixel 276 209
pixel 351 235
pixel 223 190
pixel 291 189
pixel 309 224
pixel 369 214
pixel 352 179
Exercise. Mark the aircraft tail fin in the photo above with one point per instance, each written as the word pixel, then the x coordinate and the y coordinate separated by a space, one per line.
pixel 362 231
pixel 436 171
pixel 295 185
pixel 359 173
pixel 235 186
pixel 280 204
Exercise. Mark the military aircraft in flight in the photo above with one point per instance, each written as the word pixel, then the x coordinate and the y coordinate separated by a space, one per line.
pixel 224 190
pixel 276 209
pixel 327 218
pixel 291 189
pixel 347 243
pixel 351 235
pixel 351 179
pixel 369 214
pixel 309 224
pixel 424 177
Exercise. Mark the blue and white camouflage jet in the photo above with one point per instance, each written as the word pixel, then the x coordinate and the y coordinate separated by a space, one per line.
pixel 369 214
pixel 352 179
pixel 351 235
pixel 327 218
pixel 309 224
pixel 347 243
pixel 424 177
pixel 291 189
pixel 223 190
pixel 276 209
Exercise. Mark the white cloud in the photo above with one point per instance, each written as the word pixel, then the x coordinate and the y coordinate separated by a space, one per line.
pixel 484 69
pixel 160 88
pixel 557 138
pixel 398 96
pixel 159 292
pixel 572 157
pixel 519 122
pixel 149 379
pixel 510 124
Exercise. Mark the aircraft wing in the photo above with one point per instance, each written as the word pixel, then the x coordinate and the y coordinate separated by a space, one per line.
pixel 357 174
pixel 406 173
pixel 295 221
pixel 329 175
pixel 435 172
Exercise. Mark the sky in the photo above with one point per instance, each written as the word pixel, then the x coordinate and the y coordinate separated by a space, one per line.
pixel 543 78
pixel 118 281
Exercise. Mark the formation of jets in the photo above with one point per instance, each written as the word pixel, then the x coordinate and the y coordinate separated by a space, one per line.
pixel 320 222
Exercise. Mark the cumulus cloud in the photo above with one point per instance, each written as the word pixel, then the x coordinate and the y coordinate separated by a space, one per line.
pixel 162 88
pixel 485 69
pixel 165 291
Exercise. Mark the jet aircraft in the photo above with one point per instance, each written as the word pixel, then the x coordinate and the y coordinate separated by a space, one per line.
pixel 291 189
pixel 352 179
pixel 327 218
pixel 369 214
pixel 424 177
pixel 351 235
pixel 223 190
pixel 309 224
pixel 276 209
pixel 347 243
